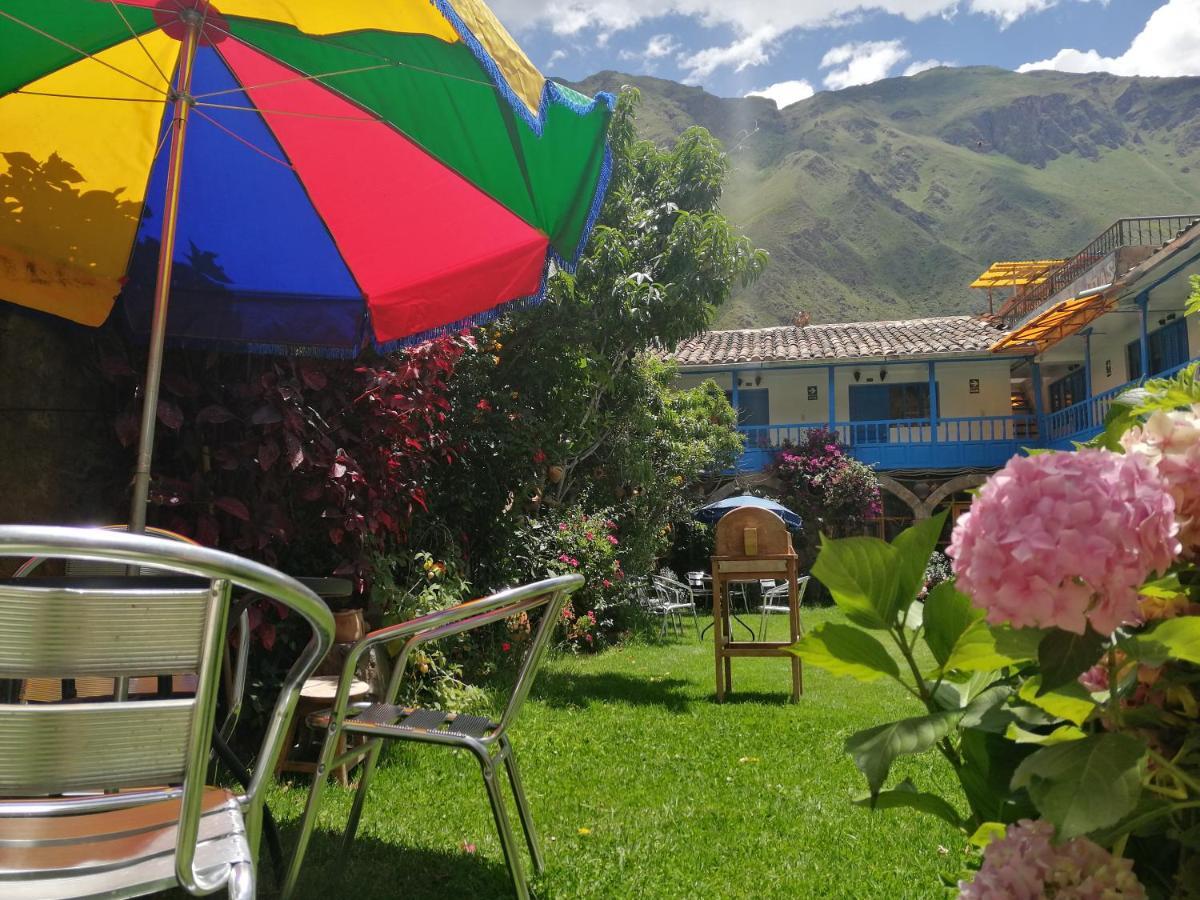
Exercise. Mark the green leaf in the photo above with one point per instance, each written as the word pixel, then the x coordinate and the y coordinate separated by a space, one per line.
pixel 874 749
pixel 1169 639
pixel 914 616
pixel 948 614
pixel 1165 588
pixel 1063 656
pixel 915 545
pixel 988 763
pixel 860 573
pixel 1059 735
pixel 1071 701
pixel 988 700
pixel 986 833
pixel 976 651
pixel 845 650
pixel 1018 644
pixel 1086 784
pixel 906 795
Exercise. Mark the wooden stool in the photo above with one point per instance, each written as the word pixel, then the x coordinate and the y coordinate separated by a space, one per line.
pixel 317 694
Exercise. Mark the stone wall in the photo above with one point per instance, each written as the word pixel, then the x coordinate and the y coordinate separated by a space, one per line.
pixel 59 460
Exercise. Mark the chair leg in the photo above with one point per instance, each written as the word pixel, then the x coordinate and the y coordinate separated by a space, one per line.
pixel 512 854
pixel 241 881
pixel 762 625
pixel 360 795
pixel 328 748
pixel 518 790
pixel 696 621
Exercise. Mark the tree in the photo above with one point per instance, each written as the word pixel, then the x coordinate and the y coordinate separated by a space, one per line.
pixel 567 404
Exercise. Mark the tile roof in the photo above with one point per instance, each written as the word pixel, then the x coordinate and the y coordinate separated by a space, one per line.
pixel 850 340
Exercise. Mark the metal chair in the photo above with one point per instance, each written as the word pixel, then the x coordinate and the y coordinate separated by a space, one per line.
pixel 235 673
pixel 775 600
pixel 674 599
pixel 701 589
pixel 486 738
pixel 109 798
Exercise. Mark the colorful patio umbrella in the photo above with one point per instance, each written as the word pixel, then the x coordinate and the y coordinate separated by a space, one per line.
pixel 712 513
pixel 321 176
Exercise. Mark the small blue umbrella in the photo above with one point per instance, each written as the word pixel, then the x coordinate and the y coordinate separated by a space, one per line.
pixel 711 513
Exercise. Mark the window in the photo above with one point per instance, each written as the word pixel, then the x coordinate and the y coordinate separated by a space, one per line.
pixel 889 401
pixel 1168 348
pixel 1068 390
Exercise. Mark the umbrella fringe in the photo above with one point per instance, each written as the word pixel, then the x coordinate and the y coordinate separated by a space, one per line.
pixel 551 92
pixel 606 170
pixel 476 320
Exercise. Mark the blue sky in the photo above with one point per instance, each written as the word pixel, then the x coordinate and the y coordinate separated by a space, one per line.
pixel 789 48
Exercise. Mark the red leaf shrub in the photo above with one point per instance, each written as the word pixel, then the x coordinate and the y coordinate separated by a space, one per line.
pixel 306 465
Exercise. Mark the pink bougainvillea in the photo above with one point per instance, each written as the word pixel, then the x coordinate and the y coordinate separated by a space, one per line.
pixel 1061 539
pixel 1171 442
pixel 1025 864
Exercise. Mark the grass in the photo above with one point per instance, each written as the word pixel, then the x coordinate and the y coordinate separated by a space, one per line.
pixel 642 786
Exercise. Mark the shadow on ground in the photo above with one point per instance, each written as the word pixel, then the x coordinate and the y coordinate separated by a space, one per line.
pixel 573 690
pixel 374 869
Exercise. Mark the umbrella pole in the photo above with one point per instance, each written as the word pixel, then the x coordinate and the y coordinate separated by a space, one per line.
pixel 194 20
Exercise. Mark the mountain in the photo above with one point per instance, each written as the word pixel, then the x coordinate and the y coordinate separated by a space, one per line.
pixel 886 200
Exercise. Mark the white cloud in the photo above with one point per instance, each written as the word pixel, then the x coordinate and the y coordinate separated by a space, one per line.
pixel 920 65
pixel 1008 11
pixel 657 47
pixel 1169 44
pixel 861 62
pixel 555 57
pixel 752 50
pixel 756 25
pixel 785 93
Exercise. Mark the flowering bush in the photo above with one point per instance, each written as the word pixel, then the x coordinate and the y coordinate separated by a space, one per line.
pixel 1064 687
pixel 1063 539
pixel 587 544
pixel 1026 865
pixel 832 492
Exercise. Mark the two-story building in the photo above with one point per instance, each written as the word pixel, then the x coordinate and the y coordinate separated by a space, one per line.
pixel 936 404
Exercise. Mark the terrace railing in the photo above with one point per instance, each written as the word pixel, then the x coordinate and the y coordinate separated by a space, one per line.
pixel 905 443
pixel 1143 231
pixel 1084 419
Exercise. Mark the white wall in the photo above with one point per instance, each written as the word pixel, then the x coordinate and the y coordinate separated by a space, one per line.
pixel 789 388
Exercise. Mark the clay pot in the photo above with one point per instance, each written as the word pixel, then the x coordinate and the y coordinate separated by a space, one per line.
pixel 348 626
pixel 555 474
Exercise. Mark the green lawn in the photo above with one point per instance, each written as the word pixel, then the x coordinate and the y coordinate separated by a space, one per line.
pixel 642 786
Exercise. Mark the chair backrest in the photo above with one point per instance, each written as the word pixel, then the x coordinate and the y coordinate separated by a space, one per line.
pixel 123 627
pixel 671 590
pixel 549 595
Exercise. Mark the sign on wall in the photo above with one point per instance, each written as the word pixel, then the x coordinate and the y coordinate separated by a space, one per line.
pixel 973 385
pixel 812 392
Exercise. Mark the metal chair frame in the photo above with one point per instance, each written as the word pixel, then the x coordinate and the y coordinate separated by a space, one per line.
pixel 490 745
pixel 59 787
pixel 779 593
pixel 675 598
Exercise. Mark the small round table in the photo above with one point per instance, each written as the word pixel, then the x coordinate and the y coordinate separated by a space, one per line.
pixel 317 694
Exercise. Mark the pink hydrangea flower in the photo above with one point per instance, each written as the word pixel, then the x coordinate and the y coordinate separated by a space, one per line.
pixel 1025 864
pixel 1061 539
pixel 1170 441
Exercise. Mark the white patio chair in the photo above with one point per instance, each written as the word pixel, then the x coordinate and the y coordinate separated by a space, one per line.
pixel 108 799
pixel 775 600
pixel 485 738
pixel 674 599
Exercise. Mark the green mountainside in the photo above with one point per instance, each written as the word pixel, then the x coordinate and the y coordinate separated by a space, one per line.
pixel 885 201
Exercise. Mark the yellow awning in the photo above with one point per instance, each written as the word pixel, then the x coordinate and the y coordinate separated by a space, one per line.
pixel 1060 321
pixel 1016 273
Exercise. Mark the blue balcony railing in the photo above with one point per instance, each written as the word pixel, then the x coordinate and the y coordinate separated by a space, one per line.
pixel 969 441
